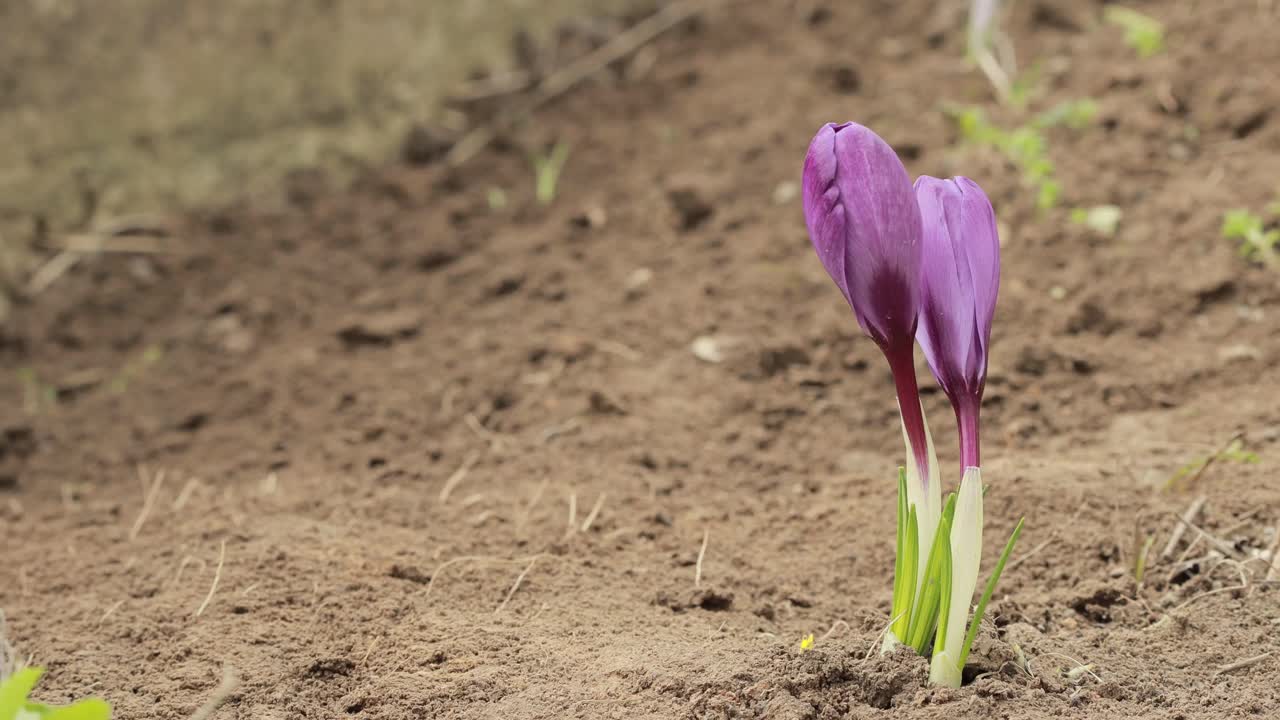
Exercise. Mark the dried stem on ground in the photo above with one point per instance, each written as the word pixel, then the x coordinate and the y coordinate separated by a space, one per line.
pixel 702 553
pixel 229 683
pixel 516 585
pixel 1188 517
pixel 217 576
pixel 148 503
pixel 458 476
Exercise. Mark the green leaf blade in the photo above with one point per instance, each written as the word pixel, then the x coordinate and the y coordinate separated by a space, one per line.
pixel 987 593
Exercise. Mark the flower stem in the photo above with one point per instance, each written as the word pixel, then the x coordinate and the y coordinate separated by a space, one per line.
pixel 967 410
pixel 902 364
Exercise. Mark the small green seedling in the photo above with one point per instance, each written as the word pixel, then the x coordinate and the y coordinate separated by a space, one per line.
pixel 1077 673
pixel 36 394
pixel 134 369
pixel 497 199
pixel 1026 146
pixel 1102 219
pixel 1140 560
pixel 546 170
pixel 16 705
pixel 1143 33
pixel 1233 452
pixel 1256 241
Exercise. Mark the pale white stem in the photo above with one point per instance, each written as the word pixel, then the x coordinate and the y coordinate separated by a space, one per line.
pixel 926 499
pixel 966 556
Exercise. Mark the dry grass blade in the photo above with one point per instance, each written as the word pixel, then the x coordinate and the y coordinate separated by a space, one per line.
pixel 54 268
pixel 431 583
pixel 1188 517
pixel 1218 544
pixel 1273 567
pixel 595 511
pixel 90 243
pixel 148 503
pixel 516 585
pixel 217 576
pixel 458 476
pixel 110 611
pixel 702 553
pixel 523 520
pixel 1242 664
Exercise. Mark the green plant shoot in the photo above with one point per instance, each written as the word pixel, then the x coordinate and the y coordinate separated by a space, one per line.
pixel 546 170
pixel 1257 242
pixel 16 705
pixel 1143 33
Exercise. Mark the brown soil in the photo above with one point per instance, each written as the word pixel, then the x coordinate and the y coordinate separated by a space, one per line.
pixel 462 460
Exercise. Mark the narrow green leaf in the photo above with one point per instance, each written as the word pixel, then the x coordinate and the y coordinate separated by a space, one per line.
pixel 91 709
pixel 14 691
pixel 926 611
pixel 899 562
pixel 944 611
pixel 987 593
pixel 909 574
pixel 1140 562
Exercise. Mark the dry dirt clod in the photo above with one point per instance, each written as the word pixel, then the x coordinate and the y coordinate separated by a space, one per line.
pixel 424 144
pixel 382 328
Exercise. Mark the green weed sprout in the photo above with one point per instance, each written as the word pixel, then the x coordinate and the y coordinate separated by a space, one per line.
pixel 497 199
pixel 1140 560
pixel 36 394
pixel 15 705
pixel 1143 33
pixel 1256 241
pixel 1026 145
pixel 1233 452
pixel 135 368
pixel 546 170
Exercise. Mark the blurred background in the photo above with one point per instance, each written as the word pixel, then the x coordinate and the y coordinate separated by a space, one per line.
pixel 140 107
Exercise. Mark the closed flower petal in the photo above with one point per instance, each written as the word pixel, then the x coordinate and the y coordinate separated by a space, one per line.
pixel 960 279
pixel 959 283
pixel 865 226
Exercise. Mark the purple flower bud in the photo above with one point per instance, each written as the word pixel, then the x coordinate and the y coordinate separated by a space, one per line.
pixel 865 224
pixel 959 282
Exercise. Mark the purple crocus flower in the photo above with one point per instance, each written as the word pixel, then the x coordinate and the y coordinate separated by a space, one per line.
pixel 865 224
pixel 959 281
